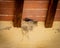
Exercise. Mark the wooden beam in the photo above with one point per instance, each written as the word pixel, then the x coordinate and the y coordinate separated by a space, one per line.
pixel 51 13
pixel 18 13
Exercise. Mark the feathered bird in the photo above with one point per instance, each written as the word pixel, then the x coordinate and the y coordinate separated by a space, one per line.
pixel 27 25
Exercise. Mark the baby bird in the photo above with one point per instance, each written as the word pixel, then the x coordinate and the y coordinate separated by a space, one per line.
pixel 27 25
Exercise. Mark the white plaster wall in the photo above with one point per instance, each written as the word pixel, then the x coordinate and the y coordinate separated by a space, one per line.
pixel 39 37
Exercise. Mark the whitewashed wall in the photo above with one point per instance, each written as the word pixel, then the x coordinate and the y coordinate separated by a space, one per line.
pixel 39 37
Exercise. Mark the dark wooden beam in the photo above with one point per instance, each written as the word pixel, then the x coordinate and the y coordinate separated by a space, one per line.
pixel 18 13
pixel 51 13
